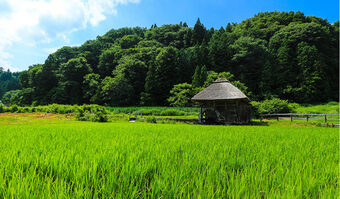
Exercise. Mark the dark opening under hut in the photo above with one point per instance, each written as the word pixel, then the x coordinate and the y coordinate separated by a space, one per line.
pixel 223 103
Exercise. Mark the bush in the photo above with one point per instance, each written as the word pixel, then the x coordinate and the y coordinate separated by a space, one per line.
pixel 14 109
pixel 271 106
pixel 7 97
pixel 94 113
pixel 333 103
pixel 151 120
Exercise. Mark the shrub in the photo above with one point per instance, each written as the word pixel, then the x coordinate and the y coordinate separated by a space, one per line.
pixel 333 103
pixel 1 108
pixel 13 109
pixel 151 120
pixel 271 106
pixel 92 113
pixel 80 115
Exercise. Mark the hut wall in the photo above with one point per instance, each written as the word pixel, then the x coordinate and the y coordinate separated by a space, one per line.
pixel 243 110
pixel 226 112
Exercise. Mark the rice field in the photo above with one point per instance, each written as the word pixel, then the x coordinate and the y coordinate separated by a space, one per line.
pixel 62 158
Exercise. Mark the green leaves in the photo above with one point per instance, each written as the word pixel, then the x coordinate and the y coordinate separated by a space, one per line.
pixel 181 95
pixel 271 106
pixel 274 54
pixel 129 41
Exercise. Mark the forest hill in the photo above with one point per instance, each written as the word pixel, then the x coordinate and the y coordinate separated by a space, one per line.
pixel 273 54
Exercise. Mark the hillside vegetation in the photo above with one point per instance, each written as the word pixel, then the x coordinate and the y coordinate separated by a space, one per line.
pixel 273 54
pixel 9 81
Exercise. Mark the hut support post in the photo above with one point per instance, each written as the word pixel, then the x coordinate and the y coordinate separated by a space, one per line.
pixel 200 116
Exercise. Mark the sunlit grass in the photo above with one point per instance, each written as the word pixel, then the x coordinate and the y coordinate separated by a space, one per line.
pixel 328 108
pixel 65 158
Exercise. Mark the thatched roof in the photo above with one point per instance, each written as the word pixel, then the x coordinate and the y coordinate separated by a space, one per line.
pixel 221 89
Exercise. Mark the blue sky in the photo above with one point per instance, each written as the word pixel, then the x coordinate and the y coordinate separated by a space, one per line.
pixel 32 29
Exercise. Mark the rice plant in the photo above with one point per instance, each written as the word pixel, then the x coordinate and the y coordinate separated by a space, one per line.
pixel 64 159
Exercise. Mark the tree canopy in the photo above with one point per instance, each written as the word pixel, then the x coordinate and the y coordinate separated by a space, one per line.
pixel 273 54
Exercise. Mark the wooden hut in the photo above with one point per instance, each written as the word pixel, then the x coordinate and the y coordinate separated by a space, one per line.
pixel 223 103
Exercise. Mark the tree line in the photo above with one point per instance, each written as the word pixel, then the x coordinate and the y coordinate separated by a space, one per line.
pixel 9 81
pixel 273 54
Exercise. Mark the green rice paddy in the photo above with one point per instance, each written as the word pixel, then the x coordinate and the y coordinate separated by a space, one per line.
pixel 61 158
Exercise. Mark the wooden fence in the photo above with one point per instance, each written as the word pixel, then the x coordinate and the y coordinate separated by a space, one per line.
pixel 303 116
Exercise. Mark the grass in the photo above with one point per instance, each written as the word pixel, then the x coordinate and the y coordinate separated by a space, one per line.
pixel 44 157
pixel 328 108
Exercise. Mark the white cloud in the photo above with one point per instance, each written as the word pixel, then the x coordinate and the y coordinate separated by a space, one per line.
pixel 29 22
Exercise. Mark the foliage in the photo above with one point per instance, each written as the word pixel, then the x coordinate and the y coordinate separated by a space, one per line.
pixel 181 95
pixel 271 106
pixel 151 120
pixel 273 54
pixel 129 41
pixel 116 91
pixel 91 113
pixel 23 98
pixel 199 76
pixel 94 113
pixel 212 76
pixel 8 81
pixel 8 96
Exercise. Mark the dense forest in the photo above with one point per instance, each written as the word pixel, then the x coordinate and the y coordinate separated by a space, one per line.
pixel 9 81
pixel 273 54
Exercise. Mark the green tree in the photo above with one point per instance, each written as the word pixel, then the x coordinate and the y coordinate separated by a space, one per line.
pixel 23 98
pixel 181 94
pixel 250 57
pixel 220 51
pixel 108 61
pixel 71 75
pixel 91 88
pixel 129 41
pixel 314 85
pixel 7 97
pixel 196 81
pixel 134 71
pixel 162 75
pixel 212 76
pixel 199 76
pixel 199 32
pixel 116 91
